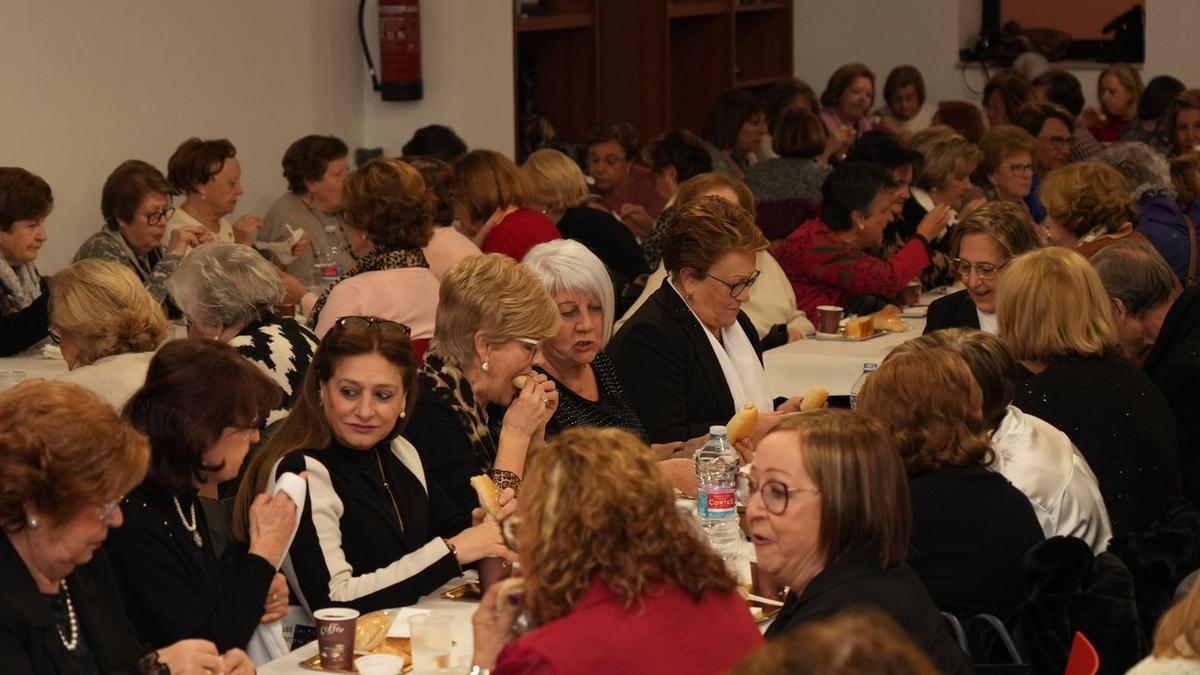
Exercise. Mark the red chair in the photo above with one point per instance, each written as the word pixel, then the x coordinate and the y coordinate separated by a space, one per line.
pixel 777 218
pixel 1083 659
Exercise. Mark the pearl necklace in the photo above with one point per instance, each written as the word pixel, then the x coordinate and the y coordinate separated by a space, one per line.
pixel 190 527
pixel 73 643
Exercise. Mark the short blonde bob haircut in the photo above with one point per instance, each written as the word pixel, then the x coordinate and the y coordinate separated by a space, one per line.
pixel 1006 223
pixel 998 144
pixel 1050 303
pixel 1087 197
pixel 598 507
pixel 930 402
pixel 496 296
pixel 485 180
pixel 555 180
pixel 63 450
pixel 947 155
pixel 864 490
pixel 105 310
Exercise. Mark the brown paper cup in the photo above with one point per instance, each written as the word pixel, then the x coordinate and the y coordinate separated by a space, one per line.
pixel 335 636
pixel 491 570
pixel 829 318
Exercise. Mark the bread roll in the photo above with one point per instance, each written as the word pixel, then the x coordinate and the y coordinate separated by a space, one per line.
pixel 519 381
pixel 488 498
pixel 742 424
pixel 860 327
pixel 814 399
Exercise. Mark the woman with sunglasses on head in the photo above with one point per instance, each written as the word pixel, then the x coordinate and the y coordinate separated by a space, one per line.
pixel 982 246
pixel 828 511
pixel 375 532
pixel 136 205
pixel 174 584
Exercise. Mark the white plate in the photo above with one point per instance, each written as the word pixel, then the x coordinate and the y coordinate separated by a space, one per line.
pixel 915 312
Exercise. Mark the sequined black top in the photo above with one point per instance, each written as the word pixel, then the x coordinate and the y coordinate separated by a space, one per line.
pixel 612 410
pixel 1120 422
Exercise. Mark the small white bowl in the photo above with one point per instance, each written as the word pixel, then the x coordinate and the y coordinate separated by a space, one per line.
pixel 379 664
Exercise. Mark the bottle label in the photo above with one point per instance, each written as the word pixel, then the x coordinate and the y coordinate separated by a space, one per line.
pixel 717 502
pixel 329 272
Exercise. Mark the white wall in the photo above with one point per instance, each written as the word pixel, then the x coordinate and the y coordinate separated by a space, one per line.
pixel 90 84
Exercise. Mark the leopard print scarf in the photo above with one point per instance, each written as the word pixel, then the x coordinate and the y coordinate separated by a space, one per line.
pixel 450 383
pixel 377 260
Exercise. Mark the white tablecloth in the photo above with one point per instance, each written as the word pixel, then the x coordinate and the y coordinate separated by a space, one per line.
pixel 34 365
pixel 460 612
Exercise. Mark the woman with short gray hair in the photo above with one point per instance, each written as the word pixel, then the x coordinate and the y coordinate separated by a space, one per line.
pixel 226 292
pixel 1148 176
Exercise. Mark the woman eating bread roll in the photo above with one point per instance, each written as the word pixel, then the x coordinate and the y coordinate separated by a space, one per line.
pixel 375 531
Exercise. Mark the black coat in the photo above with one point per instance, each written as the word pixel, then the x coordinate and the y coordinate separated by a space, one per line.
pixel 1174 365
pixel 670 371
pixel 855 579
pixel 607 237
pixel 29 640
pixel 21 330
pixel 956 310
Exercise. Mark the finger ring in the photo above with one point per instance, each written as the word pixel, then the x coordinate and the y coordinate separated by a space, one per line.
pixel 546 401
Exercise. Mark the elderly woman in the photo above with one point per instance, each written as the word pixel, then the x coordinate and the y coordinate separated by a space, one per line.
pixel 493 316
pixel 25 201
pixel 1006 170
pixel 971 527
pixel 826 258
pixel 447 246
pixel 1119 90
pixel 315 168
pixel 733 131
pixel 674 156
pixel 797 172
pixel 1005 94
pixel 772 307
pixel 560 191
pixel 1053 131
pixel 173 583
pixel 906 112
pixel 847 100
pixel 107 326
pixel 691 333
pixel 982 247
pixel 491 200
pixel 1148 176
pixel 812 475
pixel 616 579
pixel 1054 313
pixel 66 459
pixel 1088 207
pixel 627 190
pixel 375 532
pixel 1036 458
pixel 226 292
pixel 136 205
pixel 1183 122
pixel 787 95
pixel 389 214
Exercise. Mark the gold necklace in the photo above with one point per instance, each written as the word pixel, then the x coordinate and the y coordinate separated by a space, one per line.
pixel 388 488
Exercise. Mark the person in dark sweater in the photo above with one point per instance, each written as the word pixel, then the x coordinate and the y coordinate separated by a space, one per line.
pixel 25 202
pixel 828 513
pixel 971 527
pixel 1055 314
pixel 1158 328
pixel 173 583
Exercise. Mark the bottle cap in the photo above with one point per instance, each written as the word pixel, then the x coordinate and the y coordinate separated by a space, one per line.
pixel 717 430
pixel 870 367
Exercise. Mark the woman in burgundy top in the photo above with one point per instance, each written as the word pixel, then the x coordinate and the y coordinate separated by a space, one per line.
pixel 826 258
pixel 489 203
pixel 625 188
pixel 616 578
pixel 1119 91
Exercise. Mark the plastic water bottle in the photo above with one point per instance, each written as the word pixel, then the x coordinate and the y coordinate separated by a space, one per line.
pixel 326 270
pixel 716 471
pixel 868 368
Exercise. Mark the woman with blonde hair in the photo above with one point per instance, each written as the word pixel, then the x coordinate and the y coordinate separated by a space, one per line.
pixel 1053 311
pixel 1176 640
pixel 107 325
pixel 493 315
pixel 1088 206
pixel 492 205
pixel 616 577
pixel 1119 90
pixel 971 527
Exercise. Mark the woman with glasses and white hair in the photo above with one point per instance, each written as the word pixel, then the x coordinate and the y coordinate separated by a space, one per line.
pixel 982 246
pixel 226 292
pixel 136 205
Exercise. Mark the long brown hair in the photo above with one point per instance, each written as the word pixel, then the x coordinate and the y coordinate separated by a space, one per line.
pixel 598 506
pixel 306 426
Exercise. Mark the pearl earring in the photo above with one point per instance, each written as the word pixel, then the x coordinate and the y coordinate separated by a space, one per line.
pixel 403 414
pixel 485 366
pixel 32 522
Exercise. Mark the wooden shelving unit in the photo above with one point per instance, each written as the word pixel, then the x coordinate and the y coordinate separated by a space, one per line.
pixel 657 64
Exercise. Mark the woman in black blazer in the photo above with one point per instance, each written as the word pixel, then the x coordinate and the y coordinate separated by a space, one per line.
pixel 690 356
pixel 982 245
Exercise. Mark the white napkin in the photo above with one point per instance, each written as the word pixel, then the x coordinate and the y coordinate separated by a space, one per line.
pixel 400 627
pixel 282 250
pixel 51 351
pixel 267 643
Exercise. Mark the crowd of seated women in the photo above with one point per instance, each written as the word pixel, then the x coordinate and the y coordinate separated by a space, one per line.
pixel 573 327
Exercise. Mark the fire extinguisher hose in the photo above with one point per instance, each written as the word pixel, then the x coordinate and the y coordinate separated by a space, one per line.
pixel 362 36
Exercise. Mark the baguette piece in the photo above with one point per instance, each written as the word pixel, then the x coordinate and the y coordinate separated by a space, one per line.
pixel 742 424
pixel 814 399
pixel 520 381
pixel 488 497
pixel 860 327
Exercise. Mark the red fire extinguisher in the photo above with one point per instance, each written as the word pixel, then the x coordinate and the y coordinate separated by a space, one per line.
pixel 399 49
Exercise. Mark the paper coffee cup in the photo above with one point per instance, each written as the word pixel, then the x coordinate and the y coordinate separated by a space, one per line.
pixel 335 636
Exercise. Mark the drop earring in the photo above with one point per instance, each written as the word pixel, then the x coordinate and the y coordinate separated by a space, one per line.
pixel 485 366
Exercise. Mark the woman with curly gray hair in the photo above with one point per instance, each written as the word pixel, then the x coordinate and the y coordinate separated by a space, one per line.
pixel 1148 176
pixel 226 292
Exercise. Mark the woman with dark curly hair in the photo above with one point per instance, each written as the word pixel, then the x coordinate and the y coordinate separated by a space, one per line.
pixel 616 577
pixel 389 215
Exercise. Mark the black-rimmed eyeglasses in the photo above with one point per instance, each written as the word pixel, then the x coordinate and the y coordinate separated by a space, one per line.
pixel 774 494
pixel 737 287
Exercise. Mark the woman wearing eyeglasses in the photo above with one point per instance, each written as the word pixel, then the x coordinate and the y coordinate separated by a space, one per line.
pixel 136 205
pixel 376 531
pixel 827 506
pixel 982 247
pixel 690 355
pixel 1006 170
